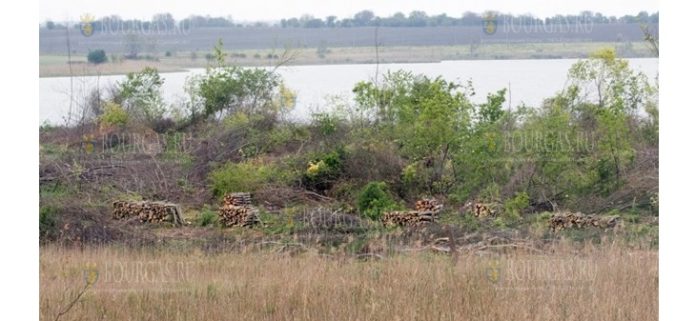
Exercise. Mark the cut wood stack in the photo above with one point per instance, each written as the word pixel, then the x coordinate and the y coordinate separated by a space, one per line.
pixel 147 212
pixel 428 205
pixel 567 220
pixel 237 199
pixel 427 211
pixel 236 210
pixel 408 218
pixel 481 210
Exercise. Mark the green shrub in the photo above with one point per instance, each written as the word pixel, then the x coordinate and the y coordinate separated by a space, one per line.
pixel 207 217
pixel 114 115
pixel 247 176
pixel 514 206
pixel 281 223
pixel 326 123
pixel 96 56
pixel 374 200
pixel 323 171
pixel 141 94
pixel 47 224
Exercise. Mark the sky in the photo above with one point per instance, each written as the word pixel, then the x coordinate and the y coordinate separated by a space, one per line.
pixel 274 10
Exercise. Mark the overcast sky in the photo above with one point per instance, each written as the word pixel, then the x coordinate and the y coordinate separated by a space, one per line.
pixel 271 10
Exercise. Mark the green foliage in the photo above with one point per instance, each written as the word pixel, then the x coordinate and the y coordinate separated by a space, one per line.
pixel 425 117
pixel 374 200
pixel 142 96
pixel 482 158
pixel 207 217
pixel 114 115
pixel 324 170
pixel 247 176
pixel 97 56
pixel 219 54
pixel 231 89
pixel 326 123
pixel 225 90
pixel 514 206
pixel 48 226
pixel 282 223
pixel 617 92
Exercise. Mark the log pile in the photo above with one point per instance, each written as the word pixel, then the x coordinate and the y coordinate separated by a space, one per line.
pixel 428 205
pixel 147 212
pixel 427 211
pixel 237 199
pixel 481 210
pixel 567 220
pixel 236 210
pixel 408 218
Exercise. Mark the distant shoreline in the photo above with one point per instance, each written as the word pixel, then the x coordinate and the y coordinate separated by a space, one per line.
pixel 57 66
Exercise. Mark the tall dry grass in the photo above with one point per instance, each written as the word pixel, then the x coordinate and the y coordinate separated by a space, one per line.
pixel 591 283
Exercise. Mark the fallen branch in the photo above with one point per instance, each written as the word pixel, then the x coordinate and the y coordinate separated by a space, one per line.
pixel 319 196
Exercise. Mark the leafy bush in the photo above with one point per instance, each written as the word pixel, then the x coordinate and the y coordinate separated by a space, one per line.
pixel 248 176
pixel 47 224
pixel 114 115
pixel 427 117
pixel 142 95
pixel 207 217
pixel 515 206
pixel 232 89
pixel 374 200
pixel 326 123
pixel 323 171
pixel 96 56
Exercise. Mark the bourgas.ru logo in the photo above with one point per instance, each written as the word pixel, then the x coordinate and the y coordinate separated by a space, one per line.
pixel 159 25
pixel 87 25
pixel 490 23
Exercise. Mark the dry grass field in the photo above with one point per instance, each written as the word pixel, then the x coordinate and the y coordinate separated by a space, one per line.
pixel 592 282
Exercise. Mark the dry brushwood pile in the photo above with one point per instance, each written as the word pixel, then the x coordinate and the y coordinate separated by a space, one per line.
pixel 427 211
pixel 236 210
pixel 325 219
pixel 567 220
pixel 148 212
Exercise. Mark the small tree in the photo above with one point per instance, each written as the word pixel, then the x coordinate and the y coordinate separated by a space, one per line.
pixel 225 90
pixel 96 56
pixel 615 93
pixel 425 117
pixel 374 200
pixel 141 95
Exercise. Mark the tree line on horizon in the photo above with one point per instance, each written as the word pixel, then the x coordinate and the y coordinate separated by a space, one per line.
pixel 364 18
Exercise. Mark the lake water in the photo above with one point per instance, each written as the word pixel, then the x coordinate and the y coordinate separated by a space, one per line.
pixel 530 82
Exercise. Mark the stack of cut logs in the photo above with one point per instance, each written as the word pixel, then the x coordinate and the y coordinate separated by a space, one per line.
pixel 428 205
pixel 427 211
pixel 236 210
pixel 481 210
pixel 237 199
pixel 147 212
pixel 561 221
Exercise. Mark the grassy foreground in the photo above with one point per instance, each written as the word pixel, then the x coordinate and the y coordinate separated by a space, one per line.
pixel 592 282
